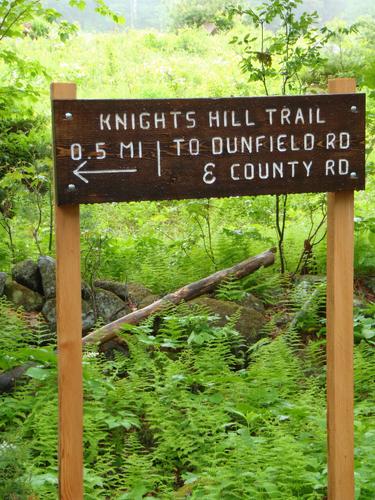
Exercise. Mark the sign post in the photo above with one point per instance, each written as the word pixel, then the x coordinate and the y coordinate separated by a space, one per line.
pixel 340 380
pixel 69 338
pixel 129 150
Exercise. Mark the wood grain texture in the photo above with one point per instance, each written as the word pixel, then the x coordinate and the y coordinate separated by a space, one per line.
pixel 340 383
pixel 69 328
pixel 89 134
pixel 185 293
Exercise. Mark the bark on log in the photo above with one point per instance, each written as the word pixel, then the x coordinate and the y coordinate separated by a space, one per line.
pixel 8 379
pixel 185 293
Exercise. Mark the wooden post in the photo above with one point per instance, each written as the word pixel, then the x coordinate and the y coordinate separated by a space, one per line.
pixel 340 381
pixel 69 338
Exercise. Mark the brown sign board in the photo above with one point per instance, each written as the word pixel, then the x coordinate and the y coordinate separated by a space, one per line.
pixel 158 149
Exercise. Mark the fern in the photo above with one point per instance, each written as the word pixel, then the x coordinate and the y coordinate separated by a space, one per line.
pixel 176 418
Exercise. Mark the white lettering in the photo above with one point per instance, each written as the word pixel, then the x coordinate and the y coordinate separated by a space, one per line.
pixel 246 143
pixel 270 112
pixel 329 167
pixel 248 121
pixel 120 121
pixel 159 118
pixel 307 167
pixel 214 119
pixel 76 151
pixel 190 118
pixel 343 167
pixel 178 143
pixel 285 116
pixel 293 144
pixel 318 119
pixel 232 173
pixel 144 124
pixel 308 142
pixel 231 148
pixel 259 142
pixel 248 176
pixel 330 140
pixel 194 147
pixel 292 165
pixel 124 147
pixel 234 122
pixel 104 121
pixel 278 168
pixel 266 173
pixel 299 117
pixel 217 145
pixel 100 152
pixel 344 140
pixel 280 142
pixel 208 176
pixel 175 115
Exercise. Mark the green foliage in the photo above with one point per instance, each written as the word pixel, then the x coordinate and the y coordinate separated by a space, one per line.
pixel 13 483
pixel 294 45
pixel 195 12
pixel 182 415
pixel 364 324
pixel 364 245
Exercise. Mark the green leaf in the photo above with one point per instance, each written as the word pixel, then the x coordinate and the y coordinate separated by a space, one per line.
pixel 37 372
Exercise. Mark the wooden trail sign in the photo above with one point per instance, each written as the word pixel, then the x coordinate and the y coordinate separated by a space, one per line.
pixel 126 150
pixel 191 148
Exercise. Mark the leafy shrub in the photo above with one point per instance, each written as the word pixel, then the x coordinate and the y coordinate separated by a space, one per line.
pixel 195 12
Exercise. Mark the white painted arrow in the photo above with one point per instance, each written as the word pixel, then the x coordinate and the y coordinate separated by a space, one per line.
pixel 78 171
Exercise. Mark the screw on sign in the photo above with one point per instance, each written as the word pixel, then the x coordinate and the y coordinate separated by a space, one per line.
pixel 128 150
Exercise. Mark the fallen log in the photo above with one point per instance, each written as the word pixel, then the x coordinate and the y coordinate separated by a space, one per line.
pixel 185 293
pixel 9 379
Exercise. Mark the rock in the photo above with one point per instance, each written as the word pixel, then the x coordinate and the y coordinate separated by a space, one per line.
pixel 108 306
pixel 22 296
pixel 253 302
pixel 3 280
pixel 119 289
pixel 27 273
pixel 137 293
pixel 149 299
pixel 88 317
pixel 249 323
pixel 47 268
pixel 110 348
pixel 86 292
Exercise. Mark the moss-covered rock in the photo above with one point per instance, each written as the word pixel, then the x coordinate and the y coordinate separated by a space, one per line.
pixel 3 280
pixel 23 297
pixel 119 289
pixel 149 299
pixel 108 306
pixel 139 293
pixel 250 320
pixel 88 317
pixel 252 302
pixel 47 268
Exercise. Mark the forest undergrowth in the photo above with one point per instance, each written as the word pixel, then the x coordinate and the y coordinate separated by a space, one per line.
pixel 186 411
